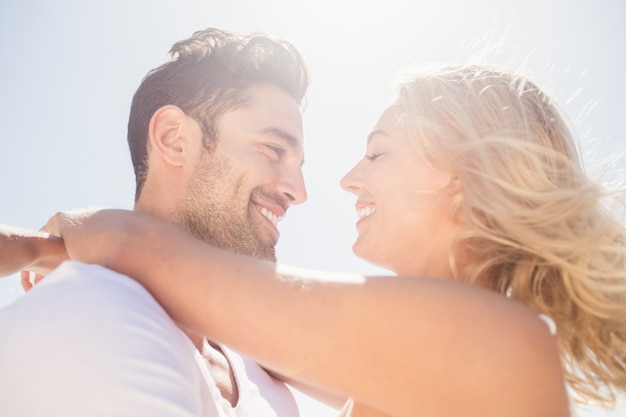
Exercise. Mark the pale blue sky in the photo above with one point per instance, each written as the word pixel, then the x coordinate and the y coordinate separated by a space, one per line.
pixel 70 67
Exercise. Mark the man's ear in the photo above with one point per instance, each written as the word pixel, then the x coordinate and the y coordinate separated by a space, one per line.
pixel 166 134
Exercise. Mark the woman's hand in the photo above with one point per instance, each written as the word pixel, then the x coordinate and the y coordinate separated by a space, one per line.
pixel 35 253
pixel 92 235
pixel 87 235
pixel 27 250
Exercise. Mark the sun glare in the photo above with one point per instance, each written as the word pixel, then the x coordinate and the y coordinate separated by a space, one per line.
pixel 352 20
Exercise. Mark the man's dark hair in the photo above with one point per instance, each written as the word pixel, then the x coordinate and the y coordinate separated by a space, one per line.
pixel 208 75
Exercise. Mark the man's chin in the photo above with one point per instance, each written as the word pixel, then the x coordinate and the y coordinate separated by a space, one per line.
pixel 266 253
pixel 269 254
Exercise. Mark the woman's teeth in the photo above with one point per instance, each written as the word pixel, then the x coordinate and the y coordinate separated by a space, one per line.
pixel 365 211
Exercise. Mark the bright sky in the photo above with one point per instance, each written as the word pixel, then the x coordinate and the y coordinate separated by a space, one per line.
pixel 70 68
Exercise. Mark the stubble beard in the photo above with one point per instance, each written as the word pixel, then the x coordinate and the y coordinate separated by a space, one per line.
pixel 230 231
pixel 220 215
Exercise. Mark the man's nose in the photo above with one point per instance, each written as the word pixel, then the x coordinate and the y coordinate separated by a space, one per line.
pixel 292 186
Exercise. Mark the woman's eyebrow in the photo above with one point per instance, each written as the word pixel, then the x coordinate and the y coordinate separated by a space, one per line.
pixel 375 133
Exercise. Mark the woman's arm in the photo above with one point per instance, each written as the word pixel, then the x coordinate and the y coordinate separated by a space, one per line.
pixel 22 249
pixel 407 346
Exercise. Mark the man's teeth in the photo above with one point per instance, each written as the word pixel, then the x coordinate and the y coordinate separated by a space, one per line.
pixel 365 211
pixel 273 218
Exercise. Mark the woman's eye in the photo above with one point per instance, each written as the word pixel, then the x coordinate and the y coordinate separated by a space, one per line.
pixel 372 156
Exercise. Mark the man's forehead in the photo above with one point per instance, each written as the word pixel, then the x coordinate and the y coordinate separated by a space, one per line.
pixel 270 110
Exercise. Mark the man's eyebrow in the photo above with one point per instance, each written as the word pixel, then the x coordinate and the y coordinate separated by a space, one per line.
pixel 374 133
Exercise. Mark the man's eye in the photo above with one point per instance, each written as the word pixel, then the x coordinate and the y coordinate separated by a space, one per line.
pixel 276 149
pixel 372 156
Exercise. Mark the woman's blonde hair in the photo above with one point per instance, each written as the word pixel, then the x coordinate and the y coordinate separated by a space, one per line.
pixel 537 229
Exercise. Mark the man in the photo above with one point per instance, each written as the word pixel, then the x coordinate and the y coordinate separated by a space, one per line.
pixel 216 141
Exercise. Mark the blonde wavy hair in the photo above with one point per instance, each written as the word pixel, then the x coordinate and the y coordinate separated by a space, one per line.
pixel 538 230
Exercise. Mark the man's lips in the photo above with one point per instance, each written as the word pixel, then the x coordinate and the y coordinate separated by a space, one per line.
pixel 272 213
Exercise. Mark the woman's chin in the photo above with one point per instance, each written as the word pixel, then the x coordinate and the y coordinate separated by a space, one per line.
pixel 369 254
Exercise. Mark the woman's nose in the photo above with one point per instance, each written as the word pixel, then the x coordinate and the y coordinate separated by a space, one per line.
pixel 351 182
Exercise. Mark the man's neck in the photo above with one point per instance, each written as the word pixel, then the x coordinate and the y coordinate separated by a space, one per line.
pixel 218 365
pixel 196 339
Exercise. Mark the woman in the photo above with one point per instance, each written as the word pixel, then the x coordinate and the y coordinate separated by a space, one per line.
pixel 471 178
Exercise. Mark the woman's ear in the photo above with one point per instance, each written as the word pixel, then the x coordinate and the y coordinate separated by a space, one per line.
pixel 165 134
pixel 456 200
